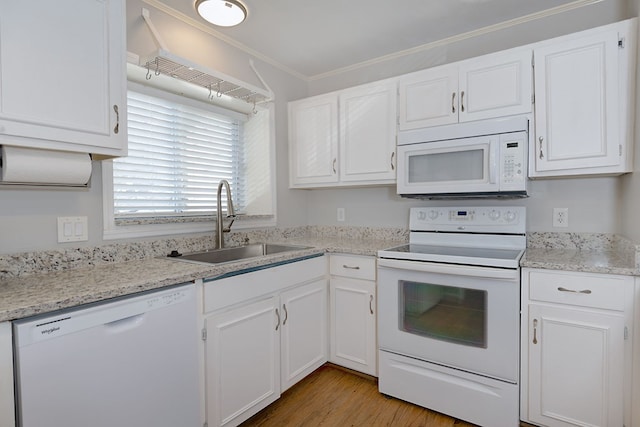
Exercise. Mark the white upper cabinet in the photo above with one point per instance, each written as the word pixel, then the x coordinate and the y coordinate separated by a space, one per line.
pixel 62 75
pixel 489 86
pixel 368 133
pixel 313 141
pixel 344 138
pixel 584 94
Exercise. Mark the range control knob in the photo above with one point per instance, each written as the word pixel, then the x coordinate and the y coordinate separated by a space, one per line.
pixel 494 215
pixel 509 216
pixel 422 215
pixel 433 214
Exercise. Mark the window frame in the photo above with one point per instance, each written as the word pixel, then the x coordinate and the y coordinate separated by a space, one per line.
pixel 184 225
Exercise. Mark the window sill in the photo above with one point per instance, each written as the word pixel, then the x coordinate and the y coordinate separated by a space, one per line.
pixel 136 228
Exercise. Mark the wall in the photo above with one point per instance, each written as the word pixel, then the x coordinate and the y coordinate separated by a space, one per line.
pixel 593 202
pixel 630 195
pixel 28 218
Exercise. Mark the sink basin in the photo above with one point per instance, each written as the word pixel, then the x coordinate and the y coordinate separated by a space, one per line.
pixel 237 253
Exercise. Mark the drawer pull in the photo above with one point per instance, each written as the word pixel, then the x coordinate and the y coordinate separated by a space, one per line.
pixel 584 291
pixel 350 267
pixel 535 330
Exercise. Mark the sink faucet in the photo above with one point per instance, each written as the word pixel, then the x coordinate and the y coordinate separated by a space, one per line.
pixel 220 230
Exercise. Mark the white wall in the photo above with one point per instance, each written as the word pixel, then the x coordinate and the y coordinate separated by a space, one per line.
pixel 593 202
pixel 630 195
pixel 28 218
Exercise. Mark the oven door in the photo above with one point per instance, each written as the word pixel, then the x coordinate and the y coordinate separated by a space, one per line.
pixel 459 316
pixel 468 165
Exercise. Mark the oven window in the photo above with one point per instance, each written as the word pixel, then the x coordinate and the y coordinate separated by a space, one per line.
pixel 445 313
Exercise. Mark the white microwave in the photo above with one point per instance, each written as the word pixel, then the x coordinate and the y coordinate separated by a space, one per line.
pixel 467 160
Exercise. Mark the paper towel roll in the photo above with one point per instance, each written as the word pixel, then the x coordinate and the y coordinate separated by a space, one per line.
pixel 35 166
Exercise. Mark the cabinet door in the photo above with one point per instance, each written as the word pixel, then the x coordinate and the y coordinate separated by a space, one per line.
pixel 242 361
pixel 368 133
pixel 353 324
pixel 495 85
pixel 576 363
pixel 62 75
pixel 304 331
pixel 7 414
pixel 313 141
pixel 577 115
pixel 429 98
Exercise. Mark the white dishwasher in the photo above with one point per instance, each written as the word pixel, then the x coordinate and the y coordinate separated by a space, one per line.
pixel 129 362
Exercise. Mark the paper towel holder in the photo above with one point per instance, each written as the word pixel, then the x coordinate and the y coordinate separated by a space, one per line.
pixel 19 185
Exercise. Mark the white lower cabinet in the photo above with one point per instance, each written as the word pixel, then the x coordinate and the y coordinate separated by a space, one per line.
pixel 264 331
pixel 7 411
pixel 353 313
pixel 303 335
pixel 576 348
pixel 243 362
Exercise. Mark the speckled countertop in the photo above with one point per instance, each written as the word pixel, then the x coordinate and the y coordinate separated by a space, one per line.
pixel 34 283
pixel 39 293
pixel 585 252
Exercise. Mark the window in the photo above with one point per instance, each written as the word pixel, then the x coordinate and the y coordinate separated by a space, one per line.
pixel 177 156
pixel 179 150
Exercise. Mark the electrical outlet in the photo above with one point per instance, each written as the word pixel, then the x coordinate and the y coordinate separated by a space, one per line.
pixel 341 215
pixel 560 217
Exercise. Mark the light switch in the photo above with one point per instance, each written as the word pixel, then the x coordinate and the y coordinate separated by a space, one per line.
pixel 72 229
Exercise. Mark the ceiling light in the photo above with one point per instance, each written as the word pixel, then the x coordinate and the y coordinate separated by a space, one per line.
pixel 225 13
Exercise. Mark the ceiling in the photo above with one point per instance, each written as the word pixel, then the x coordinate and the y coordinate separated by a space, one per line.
pixel 310 38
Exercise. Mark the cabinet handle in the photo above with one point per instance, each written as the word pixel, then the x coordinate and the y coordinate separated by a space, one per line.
pixel 278 316
pixel 392 165
pixel 584 291
pixel 286 314
pixel 117 127
pixel 462 101
pixel 453 102
pixel 356 267
pixel 371 304
pixel 535 329
pixel 540 139
pixel 333 166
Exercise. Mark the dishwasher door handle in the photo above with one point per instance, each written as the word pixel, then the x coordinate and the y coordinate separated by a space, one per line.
pixel 125 324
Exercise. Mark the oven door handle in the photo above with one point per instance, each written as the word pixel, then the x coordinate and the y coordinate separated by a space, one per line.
pixel 458 270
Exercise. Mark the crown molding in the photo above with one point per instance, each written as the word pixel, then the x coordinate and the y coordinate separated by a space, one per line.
pixel 459 37
pixel 223 37
pixel 422 48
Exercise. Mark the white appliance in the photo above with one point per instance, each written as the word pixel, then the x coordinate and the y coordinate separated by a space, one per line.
pixel 449 313
pixel 131 362
pixel 475 159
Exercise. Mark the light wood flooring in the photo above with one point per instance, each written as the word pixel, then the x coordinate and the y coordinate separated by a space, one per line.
pixel 334 397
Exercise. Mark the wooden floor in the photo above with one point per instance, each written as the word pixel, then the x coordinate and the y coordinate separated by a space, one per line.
pixel 333 397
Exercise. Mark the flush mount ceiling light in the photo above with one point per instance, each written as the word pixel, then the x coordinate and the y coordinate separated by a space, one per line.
pixel 225 13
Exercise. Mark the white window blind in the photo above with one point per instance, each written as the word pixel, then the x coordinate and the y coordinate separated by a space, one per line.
pixel 177 156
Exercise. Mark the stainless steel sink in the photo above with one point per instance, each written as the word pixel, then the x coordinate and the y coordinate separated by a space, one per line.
pixel 237 253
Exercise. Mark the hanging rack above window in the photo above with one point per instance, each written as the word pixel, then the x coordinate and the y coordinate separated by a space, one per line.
pixel 164 62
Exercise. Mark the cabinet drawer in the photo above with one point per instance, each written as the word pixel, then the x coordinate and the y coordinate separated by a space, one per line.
pixel 358 267
pixel 586 290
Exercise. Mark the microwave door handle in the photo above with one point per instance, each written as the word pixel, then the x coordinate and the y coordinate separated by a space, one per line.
pixel 493 162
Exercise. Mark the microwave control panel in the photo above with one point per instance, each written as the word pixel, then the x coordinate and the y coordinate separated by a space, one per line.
pixel 513 161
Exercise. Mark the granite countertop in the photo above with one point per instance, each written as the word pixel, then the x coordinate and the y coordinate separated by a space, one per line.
pixel 40 293
pixel 97 275
pixel 588 261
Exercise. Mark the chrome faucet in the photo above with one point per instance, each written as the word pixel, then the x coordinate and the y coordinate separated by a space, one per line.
pixel 220 230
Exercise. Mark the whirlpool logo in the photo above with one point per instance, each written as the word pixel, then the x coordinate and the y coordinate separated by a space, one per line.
pixel 49 331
